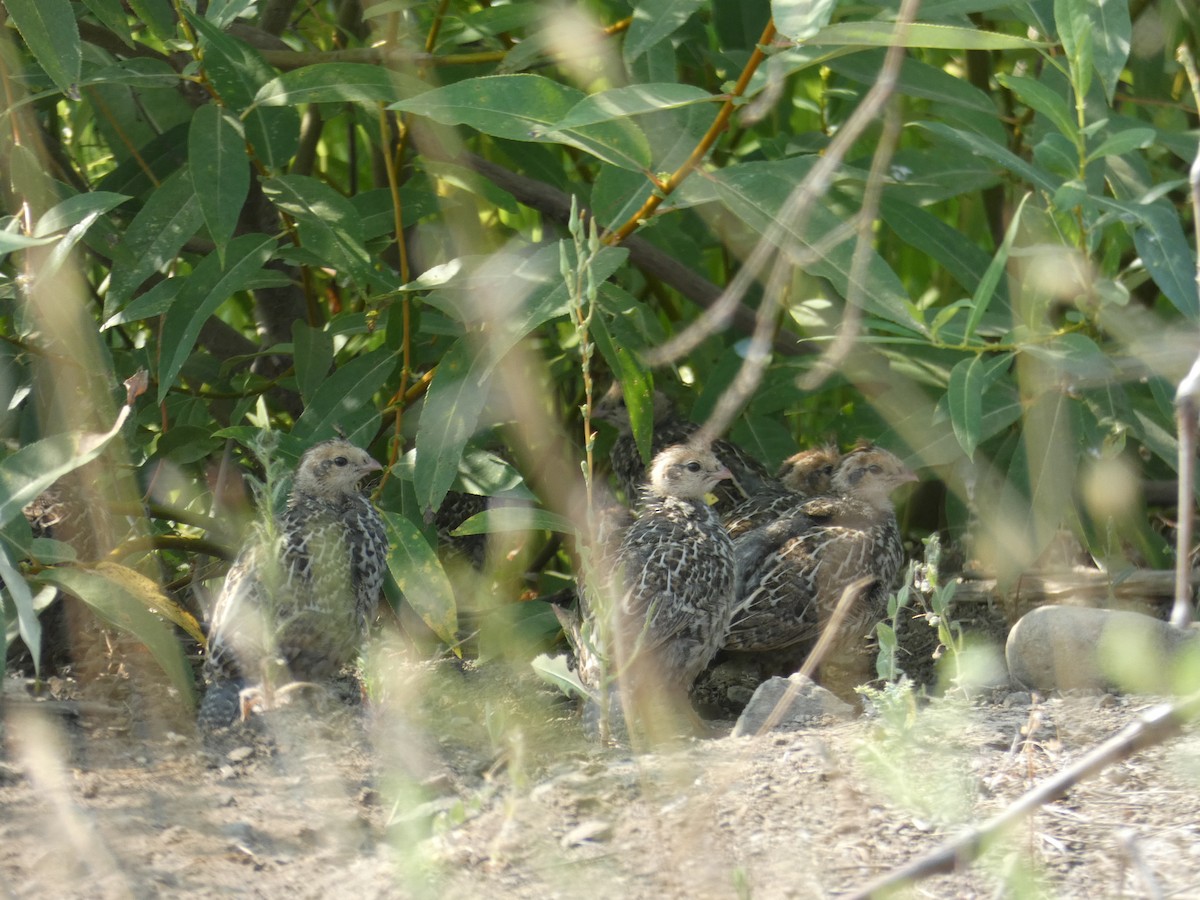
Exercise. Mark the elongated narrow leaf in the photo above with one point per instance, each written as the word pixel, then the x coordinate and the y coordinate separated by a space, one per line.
pixel 418 571
pixel 941 37
pixel 801 19
pixel 170 217
pixel 554 671
pixel 515 518
pixel 989 149
pixel 220 171
pixel 757 194
pixel 124 603
pixel 527 108
pixel 986 290
pixel 49 29
pixel 33 468
pixel 76 210
pixel 1075 32
pixel 964 396
pixel 1123 142
pixel 12 585
pixel 113 17
pixel 312 355
pixel 619 103
pixel 654 21
pixel 343 399
pixel 12 241
pixel 1047 101
pixel 209 285
pixel 962 258
pixel 456 398
pixel 339 83
pixel 1168 257
pixel 328 223
pixel 238 71
pixel 1113 37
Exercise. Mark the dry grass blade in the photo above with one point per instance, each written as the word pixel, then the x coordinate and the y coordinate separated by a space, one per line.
pixel 1156 726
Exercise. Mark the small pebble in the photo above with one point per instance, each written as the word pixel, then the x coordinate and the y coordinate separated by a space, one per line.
pixel 590 831
pixel 239 754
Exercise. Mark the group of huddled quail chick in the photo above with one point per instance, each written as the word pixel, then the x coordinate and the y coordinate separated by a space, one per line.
pixel 764 568
pixel 815 547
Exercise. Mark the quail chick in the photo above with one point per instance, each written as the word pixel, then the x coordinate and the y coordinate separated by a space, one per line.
pixel 747 476
pixel 793 570
pixel 297 607
pixel 674 599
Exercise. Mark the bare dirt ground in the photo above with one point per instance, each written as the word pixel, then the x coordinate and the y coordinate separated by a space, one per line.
pixel 477 781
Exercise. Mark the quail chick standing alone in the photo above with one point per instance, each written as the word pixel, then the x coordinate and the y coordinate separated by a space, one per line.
pixel 306 598
pixel 676 598
pixel 747 476
pixel 794 569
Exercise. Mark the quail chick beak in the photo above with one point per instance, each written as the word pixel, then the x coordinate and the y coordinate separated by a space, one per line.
pixel 720 475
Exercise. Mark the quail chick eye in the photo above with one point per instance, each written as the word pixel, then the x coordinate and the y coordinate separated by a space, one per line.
pixel 874 470
pixel 694 466
pixel 340 461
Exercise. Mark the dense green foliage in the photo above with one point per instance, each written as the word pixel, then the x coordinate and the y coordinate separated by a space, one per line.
pixel 354 216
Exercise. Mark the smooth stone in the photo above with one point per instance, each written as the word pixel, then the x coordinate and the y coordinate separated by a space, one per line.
pixel 807 704
pixel 1080 648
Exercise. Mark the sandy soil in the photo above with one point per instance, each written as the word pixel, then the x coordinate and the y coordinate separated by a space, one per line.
pixel 477 781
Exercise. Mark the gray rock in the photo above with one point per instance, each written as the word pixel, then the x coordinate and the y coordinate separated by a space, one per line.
pixel 805 703
pixel 1079 648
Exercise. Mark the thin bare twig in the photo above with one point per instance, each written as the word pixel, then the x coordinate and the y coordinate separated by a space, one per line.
pixel 1154 727
pixel 1186 410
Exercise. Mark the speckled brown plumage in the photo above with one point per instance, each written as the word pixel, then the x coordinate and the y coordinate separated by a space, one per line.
pixel 793 569
pixel 305 599
pixel 747 476
pixel 805 474
pixel 677 565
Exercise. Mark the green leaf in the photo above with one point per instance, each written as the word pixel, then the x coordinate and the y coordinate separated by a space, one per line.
pixel 328 225
pixel 655 21
pixel 618 103
pixel 554 671
pixel 112 17
pixel 456 397
pixel 415 567
pixel 154 302
pixel 13 585
pixel 514 518
pixel 49 28
pixel 211 283
pixel 124 602
pixel 527 108
pixel 168 220
pixel 962 258
pixel 77 210
pixel 1125 141
pixel 157 14
pixel 219 169
pixel 758 192
pixel 10 242
pixel 964 395
pixel 344 399
pixel 339 83
pixel 1075 32
pixel 1168 257
pixel 939 37
pixel 991 150
pixel 30 470
pixel 238 71
pixel 986 289
pixel 801 19
pixel 312 355
pixel 1113 34
pixel 1047 101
